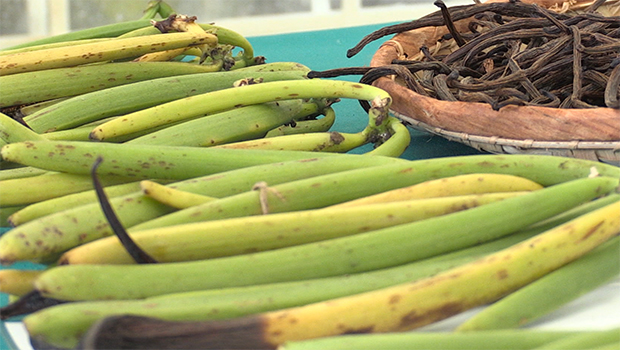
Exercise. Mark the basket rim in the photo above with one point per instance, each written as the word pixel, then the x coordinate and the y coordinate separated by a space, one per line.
pixel 603 151
pixel 501 141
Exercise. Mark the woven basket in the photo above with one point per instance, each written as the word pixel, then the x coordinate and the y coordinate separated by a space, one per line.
pixel 592 133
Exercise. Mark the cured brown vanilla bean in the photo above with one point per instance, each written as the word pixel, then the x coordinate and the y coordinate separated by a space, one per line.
pixel 441 88
pixel 449 23
pixel 576 95
pixel 529 87
pixel 612 89
pixel 28 303
pixel 548 15
pixel 595 5
pixel 518 9
pixel 486 39
pixel 475 97
pixel 514 54
pixel 337 72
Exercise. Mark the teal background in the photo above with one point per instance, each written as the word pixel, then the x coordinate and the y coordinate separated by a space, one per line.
pixel 322 50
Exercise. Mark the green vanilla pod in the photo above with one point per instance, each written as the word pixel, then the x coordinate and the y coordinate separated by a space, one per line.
pixel 364 252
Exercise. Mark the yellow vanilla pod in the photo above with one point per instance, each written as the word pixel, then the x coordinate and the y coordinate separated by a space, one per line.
pixel 451 186
pixel 550 292
pixel 53 45
pixel 171 196
pixel 63 325
pixel 99 51
pixel 236 236
pixel 18 281
pixel 412 305
pixel 211 102
pixel 6 212
pixel 315 142
pixel 167 55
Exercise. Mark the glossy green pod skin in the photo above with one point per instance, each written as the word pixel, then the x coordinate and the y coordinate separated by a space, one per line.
pixel 87 222
pixel 94 106
pixel 387 247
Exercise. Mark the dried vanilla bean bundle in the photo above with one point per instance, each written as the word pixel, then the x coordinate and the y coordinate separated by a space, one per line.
pixel 514 54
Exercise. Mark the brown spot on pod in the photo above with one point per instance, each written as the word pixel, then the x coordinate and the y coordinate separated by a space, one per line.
pixel 394 299
pixel 415 318
pixel 592 230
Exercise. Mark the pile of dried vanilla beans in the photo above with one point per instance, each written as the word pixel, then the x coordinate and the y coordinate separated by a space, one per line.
pixel 512 54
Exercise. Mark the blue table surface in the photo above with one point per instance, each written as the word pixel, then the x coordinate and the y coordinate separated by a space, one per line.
pixel 322 50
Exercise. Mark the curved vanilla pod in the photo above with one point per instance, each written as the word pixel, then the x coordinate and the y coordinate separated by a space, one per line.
pixel 43 85
pixel 6 212
pixel 213 239
pixel 86 223
pixel 34 189
pixel 172 197
pixel 550 292
pixel 397 308
pixel 321 142
pixel 231 126
pixel 475 183
pixel 315 124
pixel 92 106
pixel 193 106
pixel 515 339
pixel 53 205
pixel 62 326
pixel 13 131
pixel 394 142
pixel 231 37
pixel 388 247
pixel 224 35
